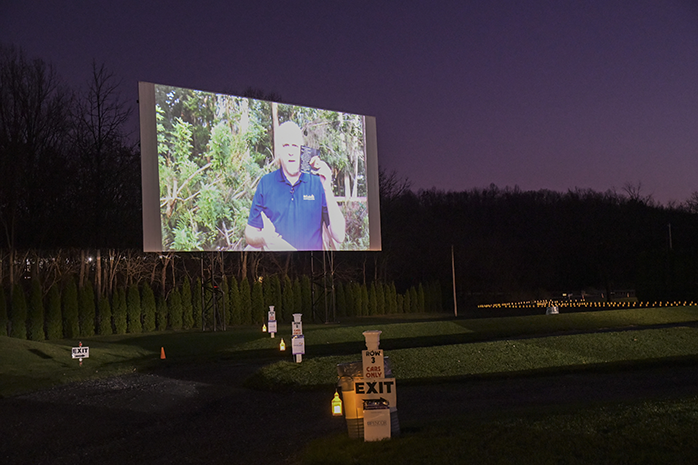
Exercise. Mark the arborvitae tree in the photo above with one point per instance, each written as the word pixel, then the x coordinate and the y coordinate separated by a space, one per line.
pixel 71 322
pixel 196 303
pixel 174 304
pixel 400 303
pixel 35 320
pixel 133 310
pixel 341 301
pixel 235 315
pixel 3 312
pixel 245 302
pixel 297 297
pixel 104 316
pixel 18 316
pixel 224 302
pixel 187 307
pixel 278 294
pixel 257 303
pixel 350 299
pixel 357 297
pixel 87 310
pixel 414 300
pixel 148 308
pixel 381 298
pixel 391 299
pixel 406 304
pixel 420 298
pixel 163 313
pixel 307 296
pixel 288 297
pixel 364 300
pixel 120 312
pixel 54 319
pixel 372 300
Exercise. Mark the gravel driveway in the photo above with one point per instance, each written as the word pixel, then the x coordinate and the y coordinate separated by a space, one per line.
pixel 204 415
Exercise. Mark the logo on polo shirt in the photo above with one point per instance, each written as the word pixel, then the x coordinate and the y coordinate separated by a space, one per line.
pixel 308 197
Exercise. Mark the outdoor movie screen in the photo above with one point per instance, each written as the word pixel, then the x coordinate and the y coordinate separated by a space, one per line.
pixel 228 173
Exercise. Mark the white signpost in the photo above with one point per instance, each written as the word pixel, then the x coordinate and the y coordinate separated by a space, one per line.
pixel 297 339
pixel 80 352
pixel 375 387
pixel 271 317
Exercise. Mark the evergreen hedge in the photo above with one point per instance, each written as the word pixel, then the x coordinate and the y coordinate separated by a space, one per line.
pixel 104 317
pixel 54 317
pixel 188 321
pixel 120 312
pixel 18 317
pixel 3 313
pixel 246 302
pixel 35 315
pixel 174 305
pixel 148 308
pixel 86 310
pixel 133 310
pixel 71 322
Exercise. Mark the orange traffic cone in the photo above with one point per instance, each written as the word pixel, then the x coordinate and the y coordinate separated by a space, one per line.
pixel 162 353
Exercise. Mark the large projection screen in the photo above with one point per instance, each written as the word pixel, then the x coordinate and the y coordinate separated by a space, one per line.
pixel 228 173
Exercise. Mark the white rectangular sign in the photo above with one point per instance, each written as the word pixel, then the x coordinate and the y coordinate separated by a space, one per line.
pixel 81 352
pixel 297 328
pixel 272 326
pixel 373 364
pixel 298 345
pixel 376 389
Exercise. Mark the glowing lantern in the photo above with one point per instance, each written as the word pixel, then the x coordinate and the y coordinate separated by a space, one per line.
pixel 336 405
pixel 282 345
pixel 264 328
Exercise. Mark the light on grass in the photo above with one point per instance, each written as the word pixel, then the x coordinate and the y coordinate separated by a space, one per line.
pixel 336 405
pixel 282 345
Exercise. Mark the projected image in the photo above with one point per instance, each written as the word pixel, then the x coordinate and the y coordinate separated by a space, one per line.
pixel 238 173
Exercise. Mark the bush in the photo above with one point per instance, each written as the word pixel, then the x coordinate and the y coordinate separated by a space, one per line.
pixel 235 315
pixel 148 308
pixel 245 302
pixel 54 319
pixel 3 313
pixel 133 310
pixel 86 310
pixel 174 304
pixel 104 317
pixel 257 303
pixel 187 308
pixel 71 323
pixel 35 322
pixel 163 313
pixel 196 303
pixel 18 317
pixel 119 312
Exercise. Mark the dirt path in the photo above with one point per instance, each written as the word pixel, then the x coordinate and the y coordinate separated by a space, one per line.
pixel 204 415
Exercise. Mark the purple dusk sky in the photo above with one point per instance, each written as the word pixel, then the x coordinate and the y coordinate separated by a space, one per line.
pixel 541 94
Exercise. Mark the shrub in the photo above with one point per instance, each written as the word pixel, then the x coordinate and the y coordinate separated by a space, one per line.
pixel 104 316
pixel 3 313
pixel 174 304
pixel 71 323
pixel 235 315
pixel 257 303
pixel 148 308
pixel 35 321
pixel 18 317
pixel 86 310
pixel 187 308
pixel 133 310
pixel 196 302
pixel 54 319
pixel 120 312
pixel 245 302
pixel 163 313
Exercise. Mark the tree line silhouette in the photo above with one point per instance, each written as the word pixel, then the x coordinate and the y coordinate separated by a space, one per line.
pixel 70 209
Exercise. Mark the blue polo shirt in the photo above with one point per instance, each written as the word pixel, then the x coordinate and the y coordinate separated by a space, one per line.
pixel 297 211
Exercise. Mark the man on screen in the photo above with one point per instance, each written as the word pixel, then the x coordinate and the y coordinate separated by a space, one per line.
pixel 291 206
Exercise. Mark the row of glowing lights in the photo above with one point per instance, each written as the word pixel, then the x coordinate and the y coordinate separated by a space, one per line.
pixel 557 303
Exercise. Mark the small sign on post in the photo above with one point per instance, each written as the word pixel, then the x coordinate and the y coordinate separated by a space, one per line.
pixel 297 339
pixel 80 352
pixel 272 321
